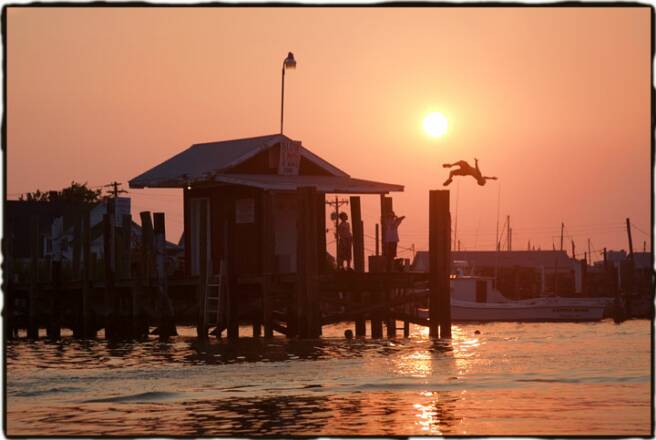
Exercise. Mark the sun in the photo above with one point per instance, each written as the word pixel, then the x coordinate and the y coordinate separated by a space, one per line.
pixel 435 124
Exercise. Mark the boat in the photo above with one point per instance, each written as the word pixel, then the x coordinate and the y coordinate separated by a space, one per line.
pixel 475 299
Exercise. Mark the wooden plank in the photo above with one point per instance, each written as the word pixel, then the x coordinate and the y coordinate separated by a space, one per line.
pixel 439 263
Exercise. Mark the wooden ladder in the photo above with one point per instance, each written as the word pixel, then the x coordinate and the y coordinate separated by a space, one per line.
pixel 213 298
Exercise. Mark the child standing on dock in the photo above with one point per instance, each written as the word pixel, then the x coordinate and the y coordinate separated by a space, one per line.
pixel 344 242
pixel 391 237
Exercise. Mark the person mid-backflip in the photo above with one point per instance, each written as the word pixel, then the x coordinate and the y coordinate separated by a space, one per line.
pixel 466 170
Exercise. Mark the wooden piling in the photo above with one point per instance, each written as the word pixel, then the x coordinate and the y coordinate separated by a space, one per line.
pixel 77 248
pixel 84 324
pixel 358 258
pixel 35 241
pixel 307 298
pixel 53 328
pixel 201 289
pixel 145 285
pixel 267 256
pixel 166 313
pixel 231 294
pixel 110 302
pixel 439 230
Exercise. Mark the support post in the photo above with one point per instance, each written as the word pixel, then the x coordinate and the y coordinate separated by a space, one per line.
pixel 166 313
pixel 358 258
pixel 267 253
pixel 439 263
pixel 111 298
pixel 307 297
pixel 54 323
pixel 35 241
pixel 146 262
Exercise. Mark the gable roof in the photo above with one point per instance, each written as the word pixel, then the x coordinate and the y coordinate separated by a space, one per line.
pixel 200 161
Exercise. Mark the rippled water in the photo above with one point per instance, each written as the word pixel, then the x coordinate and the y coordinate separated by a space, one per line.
pixel 512 378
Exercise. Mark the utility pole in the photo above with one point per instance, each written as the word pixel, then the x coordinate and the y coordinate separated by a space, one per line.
pixel 508 232
pixel 589 253
pixel 562 230
pixel 335 216
pixel 115 188
pixel 573 250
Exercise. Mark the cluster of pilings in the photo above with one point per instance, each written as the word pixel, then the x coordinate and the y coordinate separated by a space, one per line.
pixel 128 297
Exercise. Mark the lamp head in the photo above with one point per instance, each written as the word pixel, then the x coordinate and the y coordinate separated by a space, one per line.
pixel 290 62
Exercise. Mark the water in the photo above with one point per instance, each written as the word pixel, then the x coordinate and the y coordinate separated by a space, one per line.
pixel 512 378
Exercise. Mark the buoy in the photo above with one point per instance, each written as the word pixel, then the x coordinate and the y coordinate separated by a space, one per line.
pixel 348 334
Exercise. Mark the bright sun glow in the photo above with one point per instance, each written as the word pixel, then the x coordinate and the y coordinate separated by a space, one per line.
pixel 435 124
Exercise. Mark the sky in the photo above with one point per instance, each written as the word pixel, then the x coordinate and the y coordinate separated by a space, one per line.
pixel 553 101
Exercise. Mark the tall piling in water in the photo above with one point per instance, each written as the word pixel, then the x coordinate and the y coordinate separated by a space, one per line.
pixel 439 230
pixel 358 258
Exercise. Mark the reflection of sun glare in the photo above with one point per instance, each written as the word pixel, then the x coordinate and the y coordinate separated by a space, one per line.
pixel 435 124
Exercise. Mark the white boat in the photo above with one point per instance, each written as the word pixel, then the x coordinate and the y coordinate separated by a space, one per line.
pixel 474 298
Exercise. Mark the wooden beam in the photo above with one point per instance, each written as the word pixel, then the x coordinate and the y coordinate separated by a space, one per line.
pixel 307 305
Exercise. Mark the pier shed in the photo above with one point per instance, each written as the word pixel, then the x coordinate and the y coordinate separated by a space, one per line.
pixel 247 190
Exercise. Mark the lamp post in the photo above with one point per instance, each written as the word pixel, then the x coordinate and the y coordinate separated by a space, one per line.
pixel 288 63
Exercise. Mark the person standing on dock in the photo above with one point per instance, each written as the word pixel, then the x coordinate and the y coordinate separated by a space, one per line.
pixel 466 170
pixel 391 237
pixel 344 242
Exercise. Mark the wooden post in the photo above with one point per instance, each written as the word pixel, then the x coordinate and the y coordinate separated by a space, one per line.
pixel 386 208
pixel 201 289
pixel 439 222
pixel 146 264
pixel 166 313
pixel 35 241
pixel 77 245
pixel 267 253
pixel 307 298
pixel 377 240
pixel 358 258
pixel 232 303
pixel 111 304
pixel 53 328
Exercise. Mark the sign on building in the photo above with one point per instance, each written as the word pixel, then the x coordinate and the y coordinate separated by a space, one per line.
pixel 245 211
pixel 290 158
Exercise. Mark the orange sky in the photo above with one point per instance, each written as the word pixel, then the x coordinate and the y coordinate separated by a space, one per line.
pixel 554 101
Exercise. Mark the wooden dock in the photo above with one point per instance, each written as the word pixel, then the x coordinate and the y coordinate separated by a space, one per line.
pixel 127 293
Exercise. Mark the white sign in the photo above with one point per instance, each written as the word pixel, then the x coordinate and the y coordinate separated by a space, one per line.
pixel 290 158
pixel 245 211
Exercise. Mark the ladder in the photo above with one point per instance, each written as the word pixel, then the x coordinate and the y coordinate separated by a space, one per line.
pixel 214 284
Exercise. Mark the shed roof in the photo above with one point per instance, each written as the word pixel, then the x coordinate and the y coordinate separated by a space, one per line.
pixel 201 161
pixel 326 184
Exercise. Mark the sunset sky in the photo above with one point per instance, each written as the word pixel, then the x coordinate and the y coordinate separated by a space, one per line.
pixel 553 101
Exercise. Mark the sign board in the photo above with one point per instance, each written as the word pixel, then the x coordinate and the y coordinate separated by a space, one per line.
pixel 245 211
pixel 290 158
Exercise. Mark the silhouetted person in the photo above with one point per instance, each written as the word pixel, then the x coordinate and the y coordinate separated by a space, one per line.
pixel 466 170
pixel 391 237
pixel 344 243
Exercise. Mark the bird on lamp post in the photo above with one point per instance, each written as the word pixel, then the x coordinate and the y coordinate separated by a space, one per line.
pixel 288 63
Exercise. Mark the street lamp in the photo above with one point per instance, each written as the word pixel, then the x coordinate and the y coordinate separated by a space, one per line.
pixel 289 63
